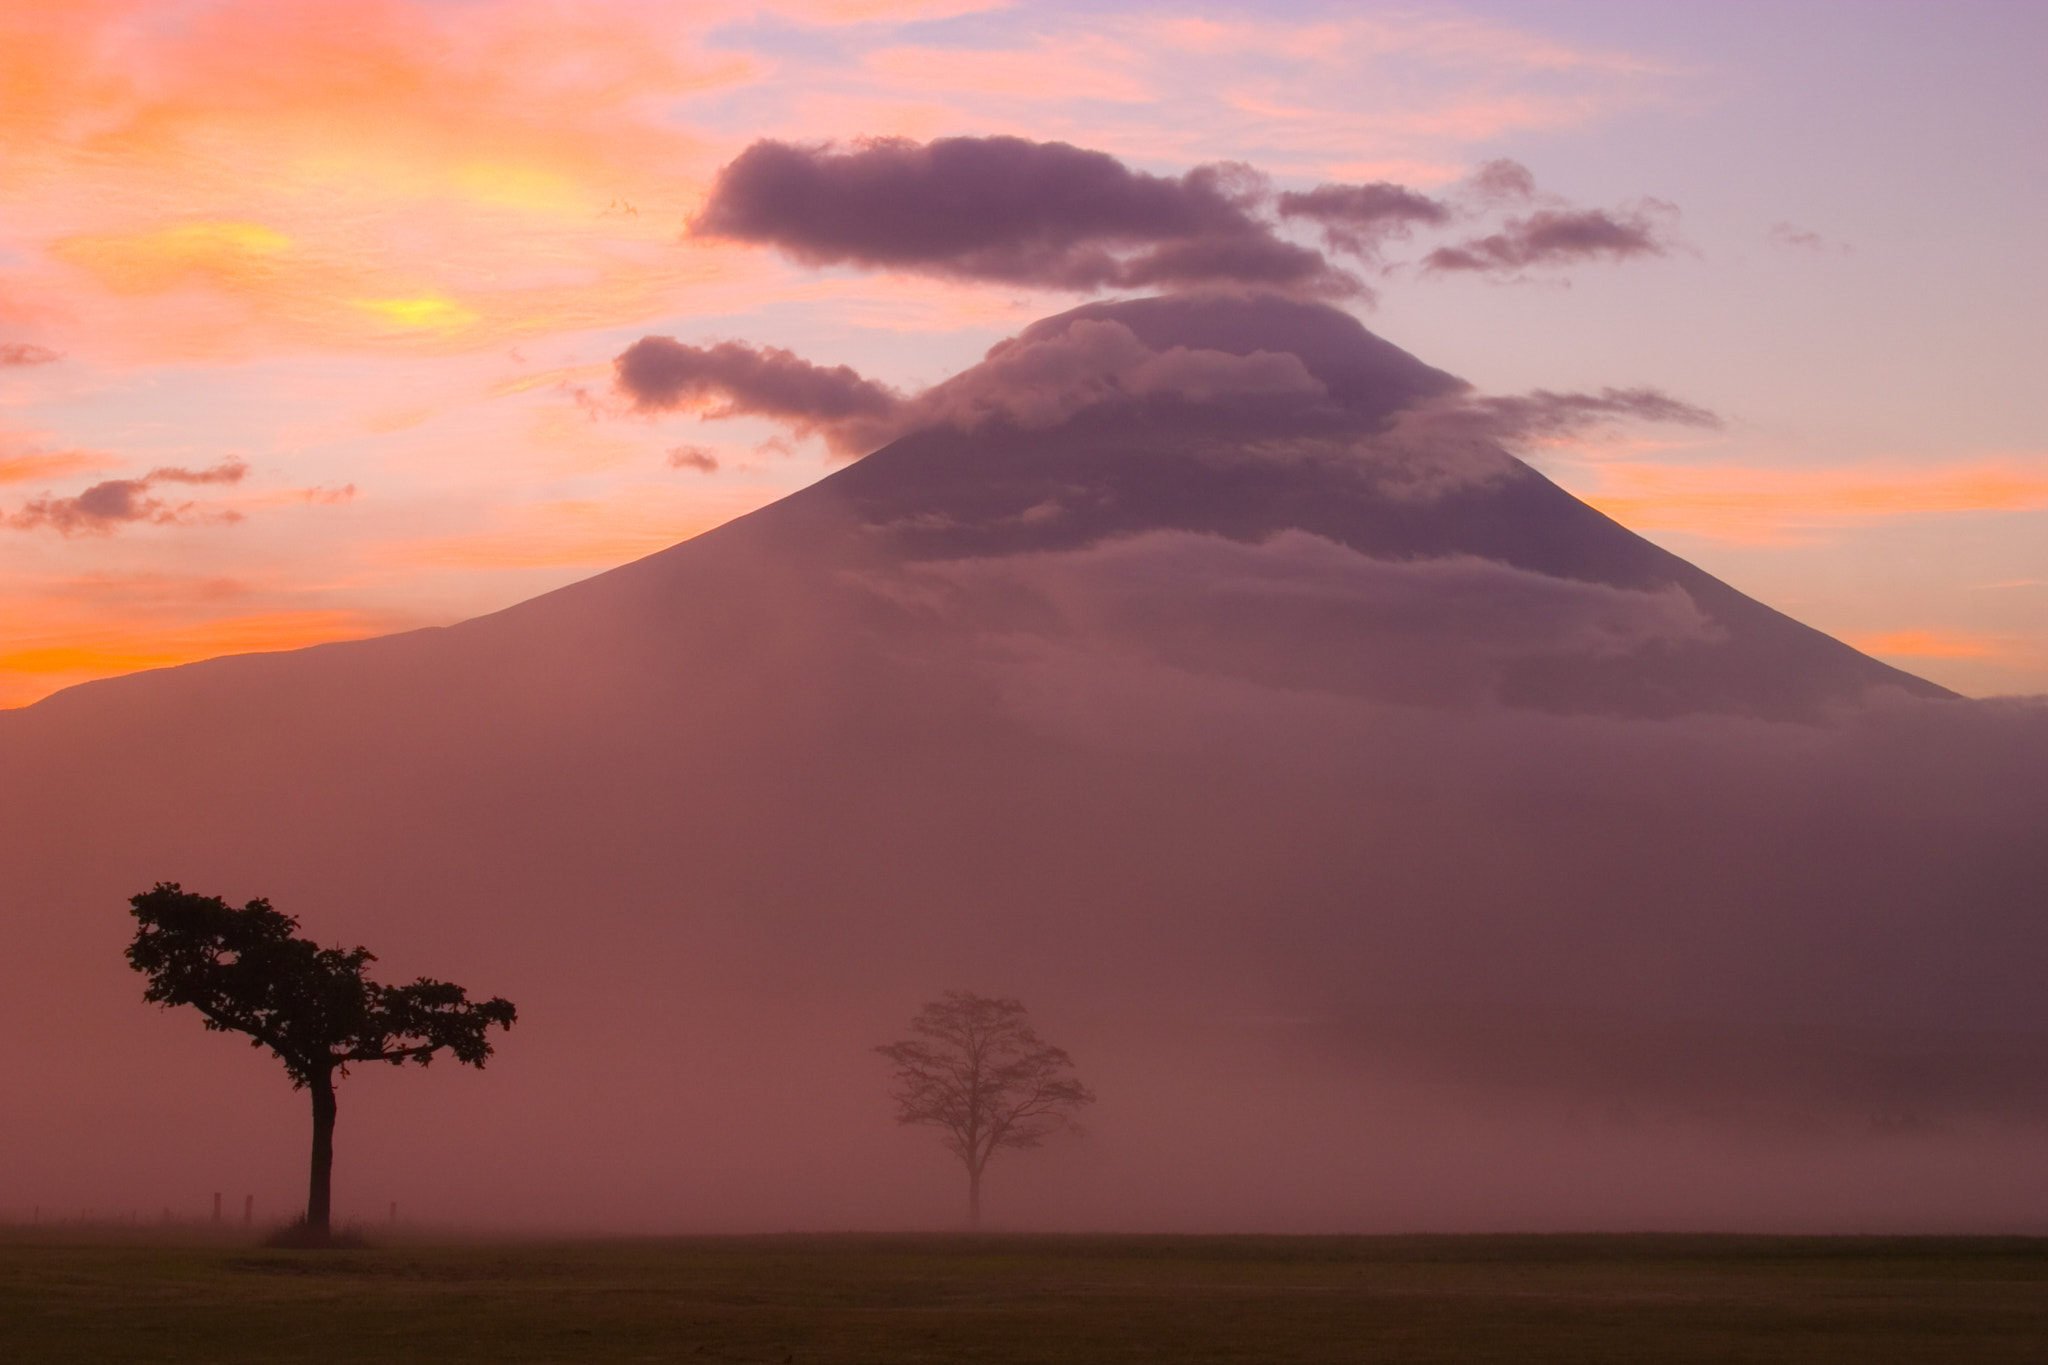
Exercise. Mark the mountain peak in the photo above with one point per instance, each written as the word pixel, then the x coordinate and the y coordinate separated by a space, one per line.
pixel 1368 375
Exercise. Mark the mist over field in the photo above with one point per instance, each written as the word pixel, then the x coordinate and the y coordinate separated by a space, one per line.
pixel 1394 841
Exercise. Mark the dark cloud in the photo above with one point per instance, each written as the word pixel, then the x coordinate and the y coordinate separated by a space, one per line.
pixel 1361 218
pixel 228 471
pixel 699 458
pixel 1052 215
pixel 26 353
pixel 99 508
pixel 1251 258
pixel 1550 237
pixel 107 506
pixel 661 373
pixel 1010 210
pixel 1500 181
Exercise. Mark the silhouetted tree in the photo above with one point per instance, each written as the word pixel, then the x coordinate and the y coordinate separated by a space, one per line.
pixel 246 971
pixel 977 1071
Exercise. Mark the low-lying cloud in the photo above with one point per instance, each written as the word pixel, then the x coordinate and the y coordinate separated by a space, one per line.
pixel 1299 611
pixel 26 353
pixel 108 506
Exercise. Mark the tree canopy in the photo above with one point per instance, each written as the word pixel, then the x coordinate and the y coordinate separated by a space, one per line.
pixel 247 971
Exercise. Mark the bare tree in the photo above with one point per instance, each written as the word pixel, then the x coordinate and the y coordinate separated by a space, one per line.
pixel 977 1071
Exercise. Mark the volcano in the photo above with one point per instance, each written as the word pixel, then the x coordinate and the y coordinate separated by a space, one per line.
pixel 1361 809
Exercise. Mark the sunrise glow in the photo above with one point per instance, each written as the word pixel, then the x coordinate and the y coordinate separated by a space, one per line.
pixel 437 224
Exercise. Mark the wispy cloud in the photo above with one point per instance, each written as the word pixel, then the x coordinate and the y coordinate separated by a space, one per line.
pixel 108 506
pixel 1548 232
pixel 1554 237
pixel 29 465
pixel 1796 238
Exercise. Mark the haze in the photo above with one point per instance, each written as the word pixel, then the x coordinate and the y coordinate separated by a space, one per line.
pixel 1059 582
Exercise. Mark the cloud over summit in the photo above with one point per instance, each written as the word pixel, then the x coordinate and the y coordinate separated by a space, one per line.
pixel 1041 381
pixel 1296 367
pixel 1300 611
pixel 1030 382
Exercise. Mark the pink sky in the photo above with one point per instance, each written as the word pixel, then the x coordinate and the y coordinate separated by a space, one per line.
pixel 378 257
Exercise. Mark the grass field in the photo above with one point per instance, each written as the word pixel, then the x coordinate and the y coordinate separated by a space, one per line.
pixel 70 1296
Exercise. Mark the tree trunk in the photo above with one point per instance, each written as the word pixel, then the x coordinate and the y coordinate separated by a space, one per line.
pixel 973 1197
pixel 318 1196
